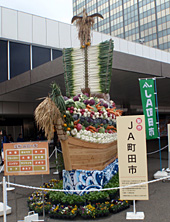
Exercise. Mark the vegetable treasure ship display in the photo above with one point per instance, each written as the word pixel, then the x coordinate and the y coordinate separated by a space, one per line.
pixel 85 119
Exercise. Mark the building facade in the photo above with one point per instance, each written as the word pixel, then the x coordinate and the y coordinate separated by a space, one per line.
pixel 143 21
pixel 31 58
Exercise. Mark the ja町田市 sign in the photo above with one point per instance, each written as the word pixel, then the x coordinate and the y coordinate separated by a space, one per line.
pixel 131 142
pixel 28 158
pixel 148 104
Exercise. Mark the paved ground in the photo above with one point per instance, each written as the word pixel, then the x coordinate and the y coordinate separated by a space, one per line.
pixel 156 209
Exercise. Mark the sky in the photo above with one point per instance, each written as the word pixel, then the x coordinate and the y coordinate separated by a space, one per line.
pixel 60 10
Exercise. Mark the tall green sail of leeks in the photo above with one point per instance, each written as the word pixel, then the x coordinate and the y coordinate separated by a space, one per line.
pixel 99 60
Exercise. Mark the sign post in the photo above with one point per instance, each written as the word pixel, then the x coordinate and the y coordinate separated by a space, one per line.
pixel 168 169
pixel 28 158
pixel 149 109
pixel 9 188
pixel 168 146
pixel 132 157
pixel 4 198
pixel 149 98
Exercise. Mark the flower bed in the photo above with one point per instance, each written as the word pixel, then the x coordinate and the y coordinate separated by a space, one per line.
pixel 67 206
pixel 63 212
pixel 118 205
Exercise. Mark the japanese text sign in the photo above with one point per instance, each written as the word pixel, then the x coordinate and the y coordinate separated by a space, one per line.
pixel 28 158
pixel 148 104
pixel 131 140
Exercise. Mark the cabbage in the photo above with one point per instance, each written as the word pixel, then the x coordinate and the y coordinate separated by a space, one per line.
pixel 80 105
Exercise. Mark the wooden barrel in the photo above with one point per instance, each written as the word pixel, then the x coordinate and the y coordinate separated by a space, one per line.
pixel 83 155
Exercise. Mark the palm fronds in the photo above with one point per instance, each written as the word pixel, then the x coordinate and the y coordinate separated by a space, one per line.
pixel 57 97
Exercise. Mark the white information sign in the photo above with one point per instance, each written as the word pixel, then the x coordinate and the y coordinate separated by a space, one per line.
pixel 132 157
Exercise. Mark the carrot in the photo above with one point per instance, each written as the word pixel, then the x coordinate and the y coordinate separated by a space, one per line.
pixel 117 114
pixel 120 111
pixel 99 107
pixel 111 109
pixel 92 127
pixel 110 127
pixel 90 107
pixel 112 112
pixel 98 104
pixel 91 130
pixel 76 121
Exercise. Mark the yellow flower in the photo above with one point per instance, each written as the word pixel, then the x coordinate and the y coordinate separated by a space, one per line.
pixel 65 124
pixel 64 116
pixel 68 129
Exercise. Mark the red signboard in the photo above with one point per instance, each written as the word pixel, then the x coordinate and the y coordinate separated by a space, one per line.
pixel 26 158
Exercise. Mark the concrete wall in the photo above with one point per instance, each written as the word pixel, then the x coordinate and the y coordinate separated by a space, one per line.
pixel 32 29
pixel 17 108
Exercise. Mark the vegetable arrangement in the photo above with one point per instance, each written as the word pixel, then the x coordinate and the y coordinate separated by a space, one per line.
pixel 88 68
pixel 90 118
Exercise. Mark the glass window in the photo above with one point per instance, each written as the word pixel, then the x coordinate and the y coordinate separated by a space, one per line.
pixel 3 61
pixel 19 58
pixel 56 53
pixel 40 56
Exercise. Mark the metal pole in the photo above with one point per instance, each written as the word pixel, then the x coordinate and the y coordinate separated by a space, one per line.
pixel 56 160
pixel 16 208
pixel 56 172
pixel 161 77
pixel 8 182
pixel 168 146
pixel 9 188
pixel 30 57
pixel 43 199
pixel 156 98
pixel 4 199
pixel 8 54
pixel 134 207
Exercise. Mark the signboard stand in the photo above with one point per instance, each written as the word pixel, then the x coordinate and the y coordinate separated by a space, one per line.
pixel 29 158
pixel 149 98
pixel 43 197
pixel 160 173
pixel 9 188
pixel 4 209
pixel 132 157
pixel 135 215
